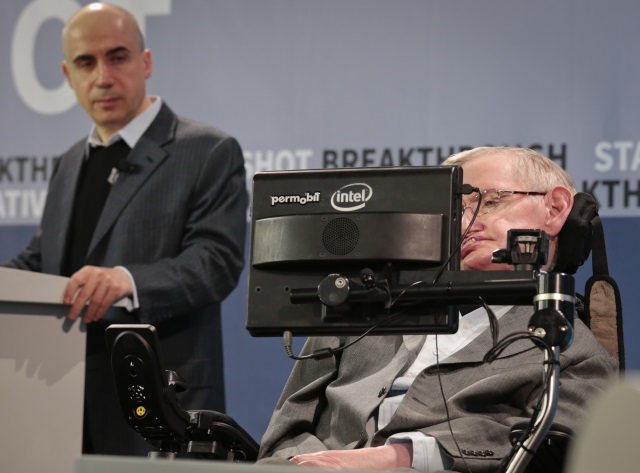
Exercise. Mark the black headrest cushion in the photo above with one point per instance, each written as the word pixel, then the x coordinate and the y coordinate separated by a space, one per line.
pixel 576 237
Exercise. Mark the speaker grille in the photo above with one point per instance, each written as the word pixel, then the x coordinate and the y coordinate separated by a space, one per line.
pixel 340 236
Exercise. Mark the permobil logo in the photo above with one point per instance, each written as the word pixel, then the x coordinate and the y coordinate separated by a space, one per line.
pixel 295 199
pixel 351 197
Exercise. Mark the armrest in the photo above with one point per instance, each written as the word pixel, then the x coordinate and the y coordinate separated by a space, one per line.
pixel 217 434
pixel 550 457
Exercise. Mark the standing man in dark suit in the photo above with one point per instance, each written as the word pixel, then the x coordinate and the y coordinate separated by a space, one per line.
pixel 150 206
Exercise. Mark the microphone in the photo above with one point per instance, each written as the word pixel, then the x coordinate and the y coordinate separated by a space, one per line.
pixel 123 166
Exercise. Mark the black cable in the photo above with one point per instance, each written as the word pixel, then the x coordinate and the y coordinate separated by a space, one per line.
pixel 328 352
pixel 493 322
pixel 392 302
pixel 467 189
pixel 446 407
pixel 497 350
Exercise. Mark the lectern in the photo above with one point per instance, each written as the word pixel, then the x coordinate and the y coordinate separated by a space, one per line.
pixel 42 363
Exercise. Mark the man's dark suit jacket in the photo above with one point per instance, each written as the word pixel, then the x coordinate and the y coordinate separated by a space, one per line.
pixel 178 225
pixel 326 404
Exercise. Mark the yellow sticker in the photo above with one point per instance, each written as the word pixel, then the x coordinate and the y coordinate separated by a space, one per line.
pixel 141 411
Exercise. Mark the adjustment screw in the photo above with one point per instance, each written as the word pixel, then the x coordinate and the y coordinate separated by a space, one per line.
pixel 540 332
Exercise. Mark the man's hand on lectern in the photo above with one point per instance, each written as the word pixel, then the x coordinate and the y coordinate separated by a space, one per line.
pixel 97 288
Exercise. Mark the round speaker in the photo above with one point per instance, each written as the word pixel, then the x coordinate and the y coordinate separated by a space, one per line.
pixel 340 236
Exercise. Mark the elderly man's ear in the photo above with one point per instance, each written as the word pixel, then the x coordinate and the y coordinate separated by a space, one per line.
pixel 559 201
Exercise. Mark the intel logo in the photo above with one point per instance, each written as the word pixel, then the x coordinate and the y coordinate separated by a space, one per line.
pixel 351 197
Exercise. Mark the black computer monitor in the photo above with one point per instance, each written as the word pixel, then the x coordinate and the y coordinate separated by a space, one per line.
pixel 331 249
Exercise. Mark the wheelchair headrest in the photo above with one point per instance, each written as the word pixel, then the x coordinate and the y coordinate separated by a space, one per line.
pixel 581 234
pixel 575 240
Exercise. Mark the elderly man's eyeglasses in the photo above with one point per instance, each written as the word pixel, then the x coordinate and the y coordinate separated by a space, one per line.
pixel 491 199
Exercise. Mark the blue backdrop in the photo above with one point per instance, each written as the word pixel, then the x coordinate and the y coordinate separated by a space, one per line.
pixel 351 83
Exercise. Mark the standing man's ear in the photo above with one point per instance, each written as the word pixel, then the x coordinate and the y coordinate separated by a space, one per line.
pixel 559 202
pixel 65 71
pixel 148 63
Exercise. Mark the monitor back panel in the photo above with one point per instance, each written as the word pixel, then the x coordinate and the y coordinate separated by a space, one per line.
pixel 401 223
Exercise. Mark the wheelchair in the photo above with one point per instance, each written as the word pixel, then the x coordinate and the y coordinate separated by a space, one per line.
pixel 147 391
